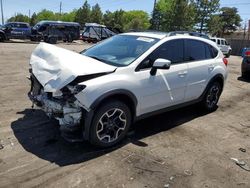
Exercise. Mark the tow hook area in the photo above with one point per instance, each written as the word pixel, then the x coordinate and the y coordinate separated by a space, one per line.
pixel 67 114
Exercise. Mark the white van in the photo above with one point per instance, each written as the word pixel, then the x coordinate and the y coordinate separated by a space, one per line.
pixel 223 45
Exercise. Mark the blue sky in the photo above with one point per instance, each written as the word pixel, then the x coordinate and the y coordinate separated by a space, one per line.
pixel 23 6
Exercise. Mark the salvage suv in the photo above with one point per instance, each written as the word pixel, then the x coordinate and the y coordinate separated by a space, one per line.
pixel 100 92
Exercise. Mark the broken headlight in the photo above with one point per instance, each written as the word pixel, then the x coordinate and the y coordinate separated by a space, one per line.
pixel 69 91
pixel 76 89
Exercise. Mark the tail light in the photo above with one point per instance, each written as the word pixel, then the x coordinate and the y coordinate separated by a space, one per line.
pixel 225 61
pixel 247 54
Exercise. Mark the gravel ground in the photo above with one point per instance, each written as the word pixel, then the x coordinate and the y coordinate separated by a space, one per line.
pixel 182 148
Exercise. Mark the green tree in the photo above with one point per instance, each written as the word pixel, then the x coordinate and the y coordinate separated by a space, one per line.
pixel 69 17
pixel 19 18
pixel 96 14
pixel 83 14
pixel 114 19
pixel 215 25
pixel 230 19
pixel 174 15
pixel 204 10
pixel 136 20
pixel 45 15
pixel 33 19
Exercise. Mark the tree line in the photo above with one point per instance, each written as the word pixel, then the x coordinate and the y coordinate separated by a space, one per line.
pixel 169 15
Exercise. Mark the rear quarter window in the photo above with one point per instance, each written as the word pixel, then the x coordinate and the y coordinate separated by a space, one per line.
pixel 195 50
pixel 211 52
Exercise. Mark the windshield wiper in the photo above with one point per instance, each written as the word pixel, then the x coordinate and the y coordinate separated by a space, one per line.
pixel 97 58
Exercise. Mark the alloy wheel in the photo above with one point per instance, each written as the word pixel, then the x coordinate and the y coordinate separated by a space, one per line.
pixel 213 96
pixel 111 125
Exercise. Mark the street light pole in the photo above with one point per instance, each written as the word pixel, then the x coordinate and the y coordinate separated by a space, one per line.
pixel 2 12
pixel 153 18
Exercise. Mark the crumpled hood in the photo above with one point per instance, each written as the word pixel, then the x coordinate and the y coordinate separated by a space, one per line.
pixel 56 67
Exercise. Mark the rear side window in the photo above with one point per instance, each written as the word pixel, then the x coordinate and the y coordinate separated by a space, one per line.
pixel 218 42
pixel 195 50
pixel 23 26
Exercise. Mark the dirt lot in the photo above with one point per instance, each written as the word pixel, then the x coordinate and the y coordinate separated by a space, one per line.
pixel 183 148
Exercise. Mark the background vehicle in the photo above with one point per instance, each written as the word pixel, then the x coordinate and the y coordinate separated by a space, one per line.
pixel 2 35
pixel 245 66
pixel 52 31
pixel 94 32
pixel 223 45
pixel 15 30
pixel 102 91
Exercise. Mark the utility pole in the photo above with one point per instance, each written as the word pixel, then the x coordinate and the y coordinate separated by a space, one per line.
pixel 60 8
pixel 2 12
pixel 154 16
pixel 29 13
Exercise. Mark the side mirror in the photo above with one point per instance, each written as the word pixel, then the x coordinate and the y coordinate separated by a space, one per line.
pixel 160 64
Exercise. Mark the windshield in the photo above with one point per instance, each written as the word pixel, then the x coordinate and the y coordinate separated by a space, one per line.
pixel 120 50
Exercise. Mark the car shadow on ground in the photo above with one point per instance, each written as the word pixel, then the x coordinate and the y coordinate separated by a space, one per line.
pixel 244 79
pixel 41 136
pixel 21 42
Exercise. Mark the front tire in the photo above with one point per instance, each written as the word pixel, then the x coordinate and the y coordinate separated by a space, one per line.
pixel 110 124
pixel 212 96
pixel 2 37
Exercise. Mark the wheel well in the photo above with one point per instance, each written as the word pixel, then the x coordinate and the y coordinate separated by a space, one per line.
pixel 220 80
pixel 123 98
pixel 2 35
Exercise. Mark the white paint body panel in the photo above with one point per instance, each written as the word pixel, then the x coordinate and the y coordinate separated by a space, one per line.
pixel 56 67
pixel 181 83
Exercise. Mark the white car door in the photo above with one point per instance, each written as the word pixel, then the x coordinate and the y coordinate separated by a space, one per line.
pixel 167 87
pixel 200 61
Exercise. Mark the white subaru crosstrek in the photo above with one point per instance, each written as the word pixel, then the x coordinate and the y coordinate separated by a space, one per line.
pixel 100 92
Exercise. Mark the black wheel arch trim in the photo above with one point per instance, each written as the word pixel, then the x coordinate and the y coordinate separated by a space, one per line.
pixel 88 116
pixel 220 76
pixel 113 93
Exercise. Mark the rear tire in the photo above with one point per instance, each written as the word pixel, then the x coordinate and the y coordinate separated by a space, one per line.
pixel 110 124
pixel 52 40
pixel 2 38
pixel 212 96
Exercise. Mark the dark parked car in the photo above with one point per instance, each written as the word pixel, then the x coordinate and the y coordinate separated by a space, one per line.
pixel 15 30
pixel 52 31
pixel 245 66
pixel 94 32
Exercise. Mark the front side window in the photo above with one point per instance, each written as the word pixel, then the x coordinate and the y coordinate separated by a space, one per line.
pixel 171 50
pixel 120 50
pixel 222 42
pixel 195 50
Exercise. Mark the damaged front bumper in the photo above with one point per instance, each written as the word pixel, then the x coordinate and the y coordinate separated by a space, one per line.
pixel 68 112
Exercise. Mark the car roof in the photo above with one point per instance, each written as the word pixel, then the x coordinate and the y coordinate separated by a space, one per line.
pixel 162 35
pixel 58 22
pixel 218 38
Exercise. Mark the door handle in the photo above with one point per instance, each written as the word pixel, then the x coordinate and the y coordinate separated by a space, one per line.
pixel 182 74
